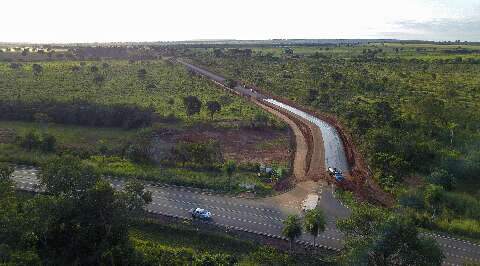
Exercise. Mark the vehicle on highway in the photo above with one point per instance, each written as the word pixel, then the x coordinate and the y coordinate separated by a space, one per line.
pixel 200 213
pixel 334 172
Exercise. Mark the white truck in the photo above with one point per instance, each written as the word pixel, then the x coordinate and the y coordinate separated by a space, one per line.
pixel 310 202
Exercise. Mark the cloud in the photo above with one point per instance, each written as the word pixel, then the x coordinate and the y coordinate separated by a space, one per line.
pixel 466 29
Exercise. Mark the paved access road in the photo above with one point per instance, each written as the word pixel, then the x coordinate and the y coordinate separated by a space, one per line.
pixel 456 251
pixel 265 216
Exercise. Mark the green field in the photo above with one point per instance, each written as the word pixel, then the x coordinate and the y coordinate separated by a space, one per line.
pixel 118 81
pixel 156 84
pixel 153 238
pixel 414 111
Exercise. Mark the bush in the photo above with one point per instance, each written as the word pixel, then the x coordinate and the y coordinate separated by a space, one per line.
pixel 32 140
pixel 442 178
pixel 203 154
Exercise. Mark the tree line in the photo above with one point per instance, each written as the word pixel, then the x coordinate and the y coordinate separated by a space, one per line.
pixel 78 113
pixel 79 220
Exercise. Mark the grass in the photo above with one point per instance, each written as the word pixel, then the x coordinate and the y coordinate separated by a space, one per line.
pixel 184 235
pixel 67 135
pixel 175 240
pixel 350 83
pixel 14 154
pixel 163 87
pixel 200 178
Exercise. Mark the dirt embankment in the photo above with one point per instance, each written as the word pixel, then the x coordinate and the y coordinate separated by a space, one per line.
pixel 301 145
pixel 309 154
pixel 362 183
pixel 311 135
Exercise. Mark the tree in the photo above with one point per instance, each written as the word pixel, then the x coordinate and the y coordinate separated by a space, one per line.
pixel 268 256
pixel 203 154
pixel 433 197
pixel 315 222
pixel 42 118
pixel 31 140
pixel 48 143
pixel 374 237
pixel 451 127
pixel 17 239
pixel 312 95
pixel 37 69
pixel 192 105
pixel 98 79
pixel 6 171
pixel 229 168
pixel 140 149
pixel 91 229
pixel 67 175
pixel 142 73
pixel 136 197
pixel 442 178
pixel 292 228
pixel 398 243
pixel 231 83
pixel 213 107
pixel 260 120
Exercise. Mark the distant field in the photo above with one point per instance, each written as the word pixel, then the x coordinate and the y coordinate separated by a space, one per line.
pixel 405 50
pixel 244 132
pixel 163 87
pixel 413 111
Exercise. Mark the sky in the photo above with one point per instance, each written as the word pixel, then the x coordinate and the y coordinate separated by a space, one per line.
pixel 72 21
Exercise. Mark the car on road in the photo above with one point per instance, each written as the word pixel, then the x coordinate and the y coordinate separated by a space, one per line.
pixel 331 170
pixel 200 213
pixel 334 172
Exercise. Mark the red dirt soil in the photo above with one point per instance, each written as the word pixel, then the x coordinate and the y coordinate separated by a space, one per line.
pixel 359 179
pixel 360 176
pixel 244 145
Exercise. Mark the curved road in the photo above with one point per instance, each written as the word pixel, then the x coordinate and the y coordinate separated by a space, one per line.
pixel 333 145
pixel 457 251
pixel 265 216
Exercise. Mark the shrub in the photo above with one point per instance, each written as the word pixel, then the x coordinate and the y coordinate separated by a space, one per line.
pixel 442 178
pixel 204 154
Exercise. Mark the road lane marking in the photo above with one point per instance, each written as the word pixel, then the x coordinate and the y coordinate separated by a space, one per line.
pixel 221 208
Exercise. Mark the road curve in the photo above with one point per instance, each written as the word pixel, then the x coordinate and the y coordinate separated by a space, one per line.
pixel 261 216
pixel 457 251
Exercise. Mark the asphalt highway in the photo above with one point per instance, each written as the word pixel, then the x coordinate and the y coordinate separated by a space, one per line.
pixel 257 216
pixel 260 216
pixel 265 216
pixel 458 252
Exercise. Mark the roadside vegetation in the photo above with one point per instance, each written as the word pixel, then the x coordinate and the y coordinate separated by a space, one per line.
pixel 82 220
pixel 412 109
pixel 148 119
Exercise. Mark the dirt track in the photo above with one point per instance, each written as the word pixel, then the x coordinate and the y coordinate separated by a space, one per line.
pixel 309 155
